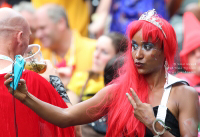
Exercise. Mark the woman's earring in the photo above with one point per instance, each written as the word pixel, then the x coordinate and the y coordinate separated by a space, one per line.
pixel 166 71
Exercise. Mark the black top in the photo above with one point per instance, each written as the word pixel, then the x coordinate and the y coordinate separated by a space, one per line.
pixel 170 121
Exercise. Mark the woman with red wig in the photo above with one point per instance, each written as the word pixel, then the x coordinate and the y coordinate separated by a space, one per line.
pixel 159 101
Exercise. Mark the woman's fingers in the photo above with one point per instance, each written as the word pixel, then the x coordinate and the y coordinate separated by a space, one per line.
pixel 22 82
pixel 135 97
pixel 7 82
pixel 131 101
pixel 8 75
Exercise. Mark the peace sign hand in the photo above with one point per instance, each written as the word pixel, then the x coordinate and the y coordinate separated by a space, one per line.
pixel 142 111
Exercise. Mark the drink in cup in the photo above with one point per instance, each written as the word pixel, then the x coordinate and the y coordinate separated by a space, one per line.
pixel 34 59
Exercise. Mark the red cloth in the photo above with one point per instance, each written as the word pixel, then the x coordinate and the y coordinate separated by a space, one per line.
pixel 61 64
pixel 29 123
pixel 191 37
pixel 5 4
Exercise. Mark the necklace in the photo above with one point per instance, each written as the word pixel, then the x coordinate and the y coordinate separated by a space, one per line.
pixel 3 57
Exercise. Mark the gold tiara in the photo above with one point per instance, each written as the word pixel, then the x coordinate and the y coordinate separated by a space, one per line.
pixel 152 17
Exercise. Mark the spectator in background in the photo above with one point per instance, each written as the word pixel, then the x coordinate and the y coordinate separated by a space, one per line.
pixel 3 4
pixel 87 84
pixel 177 21
pixel 27 11
pixel 14 2
pixel 77 10
pixel 123 12
pixel 190 54
pixel 65 47
pixel 112 68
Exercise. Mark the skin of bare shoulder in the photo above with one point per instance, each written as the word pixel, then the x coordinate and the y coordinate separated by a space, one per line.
pixel 188 109
pixel 184 92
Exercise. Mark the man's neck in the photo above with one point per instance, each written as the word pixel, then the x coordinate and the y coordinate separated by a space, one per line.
pixel 5 63
pixel 64 44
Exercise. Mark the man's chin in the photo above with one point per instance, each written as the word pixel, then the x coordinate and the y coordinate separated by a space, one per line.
pixel 45 45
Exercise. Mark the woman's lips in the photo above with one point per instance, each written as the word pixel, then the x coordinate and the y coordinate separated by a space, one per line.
pixel 139 65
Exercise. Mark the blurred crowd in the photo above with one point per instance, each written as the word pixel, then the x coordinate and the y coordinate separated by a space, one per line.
pixel 85 41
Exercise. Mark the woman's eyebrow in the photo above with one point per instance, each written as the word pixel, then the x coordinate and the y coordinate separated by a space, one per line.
pixel 144 42
pixel 133 41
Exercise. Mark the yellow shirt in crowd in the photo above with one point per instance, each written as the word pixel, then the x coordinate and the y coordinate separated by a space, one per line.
pixel 93 86
pixel 79 55
pixel 77 11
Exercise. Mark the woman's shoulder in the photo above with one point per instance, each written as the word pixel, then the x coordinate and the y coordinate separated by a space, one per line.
pixel 184 92
pixel 181 88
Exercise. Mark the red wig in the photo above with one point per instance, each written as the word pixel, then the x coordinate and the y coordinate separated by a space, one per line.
pixel 121 120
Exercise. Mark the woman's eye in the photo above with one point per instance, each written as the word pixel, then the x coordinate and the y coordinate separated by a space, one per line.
pixel 134 46
pixel 148 46
pixel 104 52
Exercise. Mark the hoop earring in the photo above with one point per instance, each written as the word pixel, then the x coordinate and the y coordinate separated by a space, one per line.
pixel 166 71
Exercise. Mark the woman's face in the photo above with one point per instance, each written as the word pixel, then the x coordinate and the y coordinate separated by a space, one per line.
pixel 103 53
pixel 148 57
pixel 194 61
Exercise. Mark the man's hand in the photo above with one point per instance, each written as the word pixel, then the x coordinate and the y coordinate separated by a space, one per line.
pixel 21 92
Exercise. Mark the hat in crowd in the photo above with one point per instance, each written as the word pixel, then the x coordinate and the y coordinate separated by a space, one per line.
pixel 191 37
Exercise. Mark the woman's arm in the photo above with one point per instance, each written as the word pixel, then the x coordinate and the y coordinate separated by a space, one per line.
pixel 188 112
pixel 74 115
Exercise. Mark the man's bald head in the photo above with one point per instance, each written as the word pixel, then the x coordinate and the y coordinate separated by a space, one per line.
pixel 14 32
pixel 11 20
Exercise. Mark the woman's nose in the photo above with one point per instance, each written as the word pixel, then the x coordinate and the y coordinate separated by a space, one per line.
pixel 139 53
pixel 96 54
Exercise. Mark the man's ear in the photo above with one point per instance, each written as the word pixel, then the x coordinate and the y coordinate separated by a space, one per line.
pixel 62 24
pixel 20 37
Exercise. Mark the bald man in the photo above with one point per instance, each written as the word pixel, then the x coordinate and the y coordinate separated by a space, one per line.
pixel 14 39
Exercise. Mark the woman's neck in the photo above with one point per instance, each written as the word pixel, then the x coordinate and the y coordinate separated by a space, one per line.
pixel 156 79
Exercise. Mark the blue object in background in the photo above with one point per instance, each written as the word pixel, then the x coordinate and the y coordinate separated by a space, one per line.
pixel 125 11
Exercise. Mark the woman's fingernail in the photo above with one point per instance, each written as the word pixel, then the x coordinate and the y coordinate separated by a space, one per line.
pixel 11 79
pixel 126 94
pixel 19 84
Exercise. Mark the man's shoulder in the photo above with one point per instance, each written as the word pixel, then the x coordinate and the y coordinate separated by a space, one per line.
pixel 34 80
pixel 27 74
